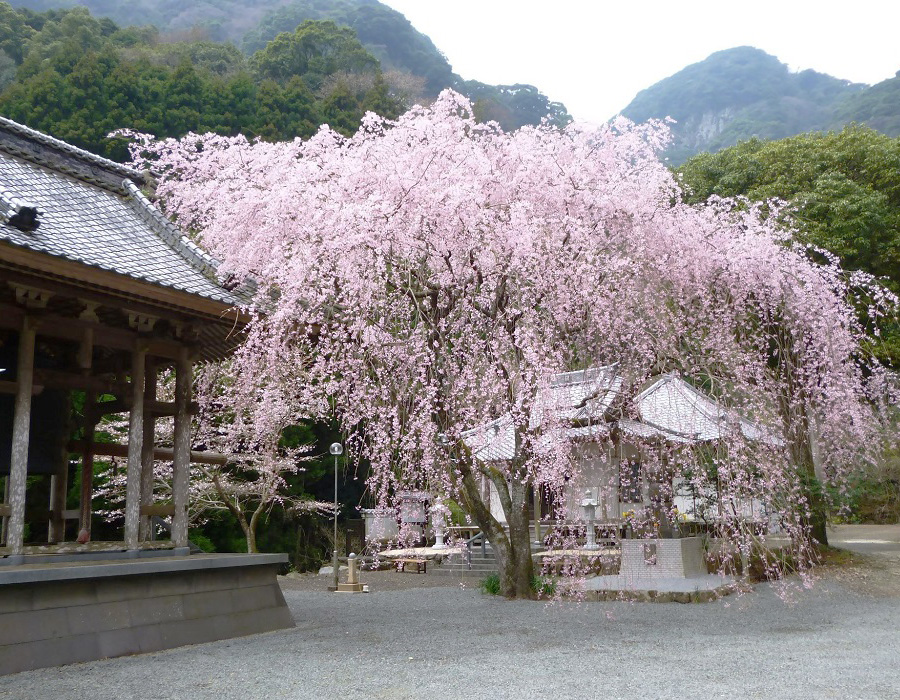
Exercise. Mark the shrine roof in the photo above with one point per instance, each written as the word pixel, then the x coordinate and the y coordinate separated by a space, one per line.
pixel 91 210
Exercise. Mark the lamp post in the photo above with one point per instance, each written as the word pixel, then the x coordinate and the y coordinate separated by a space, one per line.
pixel 337 450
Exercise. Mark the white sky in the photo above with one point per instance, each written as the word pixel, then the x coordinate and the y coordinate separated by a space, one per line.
pixel 595 55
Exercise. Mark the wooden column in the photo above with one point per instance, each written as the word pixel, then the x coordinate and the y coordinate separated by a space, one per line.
pixel 59 484
pixel 85 362
pixel 182 452
pixel 87 464
pixel 135 448
pixel 147 452
pixel 21 430
pixel 4 522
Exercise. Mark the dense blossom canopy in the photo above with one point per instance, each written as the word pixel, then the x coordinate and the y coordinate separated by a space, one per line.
pixel 428 275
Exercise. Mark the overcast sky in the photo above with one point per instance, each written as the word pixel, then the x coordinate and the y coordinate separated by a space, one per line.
pixel 595 55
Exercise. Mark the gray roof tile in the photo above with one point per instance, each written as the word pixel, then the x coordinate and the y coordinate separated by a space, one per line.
pixel 85 217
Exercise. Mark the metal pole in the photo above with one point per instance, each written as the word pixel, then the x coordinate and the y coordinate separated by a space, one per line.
pixel 336 449
pixel 335 556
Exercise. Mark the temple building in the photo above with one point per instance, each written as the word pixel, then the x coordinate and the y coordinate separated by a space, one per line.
pixel 99 294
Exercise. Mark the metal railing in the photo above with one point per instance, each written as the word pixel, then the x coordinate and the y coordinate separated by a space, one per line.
pixel 469 542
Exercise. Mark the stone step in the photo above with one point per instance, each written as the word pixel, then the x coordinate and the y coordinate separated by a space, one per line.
pixel 461 572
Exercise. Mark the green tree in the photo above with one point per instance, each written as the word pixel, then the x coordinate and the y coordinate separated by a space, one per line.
pixel 14 32
pixel 843 192
pixel 316 50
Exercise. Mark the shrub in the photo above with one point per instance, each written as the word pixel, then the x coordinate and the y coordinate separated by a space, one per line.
pixel 491 584
pixel 545 587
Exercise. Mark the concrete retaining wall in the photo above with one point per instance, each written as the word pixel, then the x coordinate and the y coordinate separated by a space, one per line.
pixel 675 558
pixel 54 615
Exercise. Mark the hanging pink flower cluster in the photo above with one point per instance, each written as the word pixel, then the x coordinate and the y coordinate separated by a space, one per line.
pixel 430 275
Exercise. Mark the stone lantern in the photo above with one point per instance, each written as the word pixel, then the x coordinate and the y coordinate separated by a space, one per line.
pixel 439 513
pixel 589 508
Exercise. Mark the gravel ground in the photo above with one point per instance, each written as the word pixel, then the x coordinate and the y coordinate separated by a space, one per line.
pixel 431 638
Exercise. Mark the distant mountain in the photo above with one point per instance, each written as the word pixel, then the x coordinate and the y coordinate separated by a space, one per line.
pixel 743 93
pixel 385 33
pixel 877 107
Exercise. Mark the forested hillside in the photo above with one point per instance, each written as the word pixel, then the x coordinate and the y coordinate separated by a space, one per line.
pixel 877 107
pixel 79 78
pixel 221 20
pixel 744 93
pixel 413 67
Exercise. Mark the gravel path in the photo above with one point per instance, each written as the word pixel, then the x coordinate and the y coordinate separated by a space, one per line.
pixel 438 640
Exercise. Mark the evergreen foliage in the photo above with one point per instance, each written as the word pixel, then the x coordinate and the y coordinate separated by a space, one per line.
pixel 79 78
pixel 416 70
pixel 844 192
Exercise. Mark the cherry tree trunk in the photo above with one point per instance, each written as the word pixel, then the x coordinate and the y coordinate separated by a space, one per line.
pixel 512 545
pixel 514 561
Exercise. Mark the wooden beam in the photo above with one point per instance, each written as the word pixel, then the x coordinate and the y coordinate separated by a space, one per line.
pixel 72 329
pixel 107 285
pixel 156 408
pixel 91 417
pixel 8 387
pixel 160 510
pixel 42 513
pixel 76 381
pixel 162 454
pixel 87 463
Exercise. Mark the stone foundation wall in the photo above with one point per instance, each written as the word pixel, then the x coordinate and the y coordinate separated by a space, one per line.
pixel 674 558
pixel 103 611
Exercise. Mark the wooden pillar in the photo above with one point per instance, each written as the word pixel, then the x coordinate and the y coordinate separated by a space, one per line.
pixel 21 430
pixel 85 362
pixel 4 523
pixel 59 483
pixel 182 451
pixel 147 452
pixel 135 448
pixel 87 465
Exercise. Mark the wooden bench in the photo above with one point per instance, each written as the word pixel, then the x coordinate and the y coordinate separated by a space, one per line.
pixel 421 564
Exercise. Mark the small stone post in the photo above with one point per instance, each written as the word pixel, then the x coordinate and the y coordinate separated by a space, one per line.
pixel 353 585
pixel 352 575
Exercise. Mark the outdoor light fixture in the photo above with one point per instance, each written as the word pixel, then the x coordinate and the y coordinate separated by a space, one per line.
pixel 337 449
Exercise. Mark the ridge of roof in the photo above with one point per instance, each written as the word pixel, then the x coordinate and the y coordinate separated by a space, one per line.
pixel 170 233
pixel 62 148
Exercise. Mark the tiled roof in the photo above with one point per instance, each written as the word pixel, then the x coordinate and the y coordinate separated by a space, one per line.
pixel 91 210
pixel 492 442
pixel 669 409
pixel 677 410
pixel 578 397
